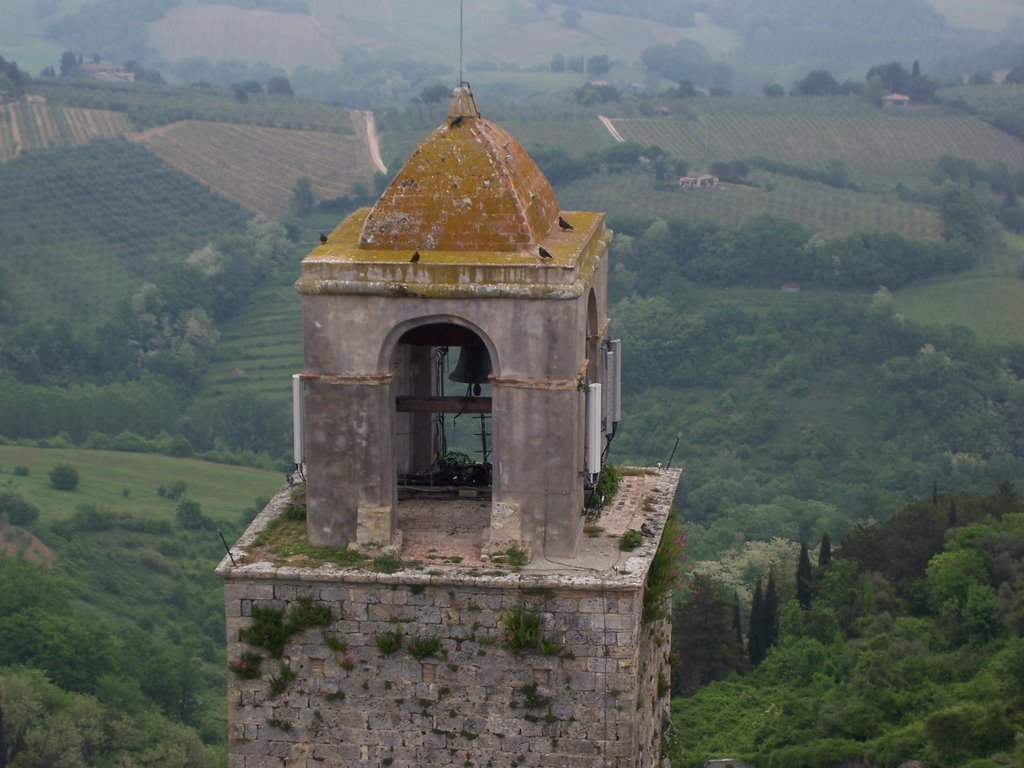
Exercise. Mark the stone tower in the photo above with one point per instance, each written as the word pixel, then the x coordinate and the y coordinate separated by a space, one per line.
pixel 442 613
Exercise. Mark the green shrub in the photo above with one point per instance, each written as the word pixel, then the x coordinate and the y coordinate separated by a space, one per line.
pixel 16 511
pixel 630 540
pixel 280 682
pixel 606 487
pixel 270 630
pixel 424 647
pixel 389 642
pixel 523 628
pixel 64 477
pixel 21 471
pixel 190 515
pixel 247 666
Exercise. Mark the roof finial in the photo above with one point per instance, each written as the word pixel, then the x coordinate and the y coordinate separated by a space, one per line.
pixel 462 104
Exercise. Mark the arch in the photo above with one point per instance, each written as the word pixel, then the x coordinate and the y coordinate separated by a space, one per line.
pixel 385 359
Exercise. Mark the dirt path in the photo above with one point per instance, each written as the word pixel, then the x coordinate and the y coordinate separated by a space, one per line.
pixel 611 128
pixel 372 143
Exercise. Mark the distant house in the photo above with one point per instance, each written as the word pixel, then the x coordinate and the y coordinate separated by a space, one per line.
pixel 698 181
pixel 791 287
pixel 111 73
pixel 895 101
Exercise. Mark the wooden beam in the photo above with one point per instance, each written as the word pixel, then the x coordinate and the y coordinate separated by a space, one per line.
pixel 447 404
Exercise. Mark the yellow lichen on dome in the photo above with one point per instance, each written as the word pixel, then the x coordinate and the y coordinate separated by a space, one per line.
pixel 468 186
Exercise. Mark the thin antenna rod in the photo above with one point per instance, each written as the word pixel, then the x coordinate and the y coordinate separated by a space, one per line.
pixel 460 41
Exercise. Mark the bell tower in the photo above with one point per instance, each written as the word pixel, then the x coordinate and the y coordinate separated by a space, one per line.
pixel 465 251
pixel 405 606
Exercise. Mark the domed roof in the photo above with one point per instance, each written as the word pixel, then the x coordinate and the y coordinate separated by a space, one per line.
pixel 468 186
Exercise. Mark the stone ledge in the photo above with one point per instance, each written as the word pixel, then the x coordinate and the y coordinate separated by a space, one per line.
pixel 599 565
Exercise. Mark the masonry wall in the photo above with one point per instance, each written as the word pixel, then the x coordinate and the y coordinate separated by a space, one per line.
pixel 599 697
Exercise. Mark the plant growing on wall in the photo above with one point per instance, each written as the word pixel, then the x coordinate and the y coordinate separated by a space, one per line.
pixel 389 642
pixel 247 666
pixel 664 572
pixel 270 630
pixel 425 647
pixel 524 631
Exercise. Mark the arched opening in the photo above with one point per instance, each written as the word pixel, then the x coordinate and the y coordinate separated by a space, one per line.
pixel 593 350
pixel 444 449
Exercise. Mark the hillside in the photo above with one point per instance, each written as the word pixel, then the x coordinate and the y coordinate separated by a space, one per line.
pixel 817 206
pixel 138 575
pixel 28 125
pixel 84 228
pixel 258 167
pixel 875 145
pixel 513 32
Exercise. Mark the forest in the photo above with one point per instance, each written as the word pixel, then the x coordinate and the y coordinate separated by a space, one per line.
pixel 903 640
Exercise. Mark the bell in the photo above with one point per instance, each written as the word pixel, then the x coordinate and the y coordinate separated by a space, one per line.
pixel 474 365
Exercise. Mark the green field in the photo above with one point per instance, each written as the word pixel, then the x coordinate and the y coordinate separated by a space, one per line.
pixel 876 146
pixel 128 483
pixel 989 306
pixel 817 206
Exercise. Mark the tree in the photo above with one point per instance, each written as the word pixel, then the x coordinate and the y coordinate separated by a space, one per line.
pixel 435 93
pixel 824 552
pixel 598 65
pixel 558 63
pixel 893 76
pixel 963 217
pixel 64 477
pixel 303 199
pixel 280 86
pixel 773 90
pixel 1016 75
pixel 704 641
pixel 17 511
pixel 820 82
pixel 804 578
pixel 190 515
pixel 68 64
pixel 756 645
pixel 771 612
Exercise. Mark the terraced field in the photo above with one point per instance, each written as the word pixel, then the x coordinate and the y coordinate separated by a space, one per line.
pixel 258 167
pixel 27 126
pixel 260 350
pixel 818 207
pixel 875 145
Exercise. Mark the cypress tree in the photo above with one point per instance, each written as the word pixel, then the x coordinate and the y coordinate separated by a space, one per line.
pixel 804 578
pixel 755 640
pixel 952 514
pixel 737 623
pixel 771 612
pixel 824 552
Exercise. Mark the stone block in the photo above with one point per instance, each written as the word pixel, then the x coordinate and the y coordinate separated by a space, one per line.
pixel 373 525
